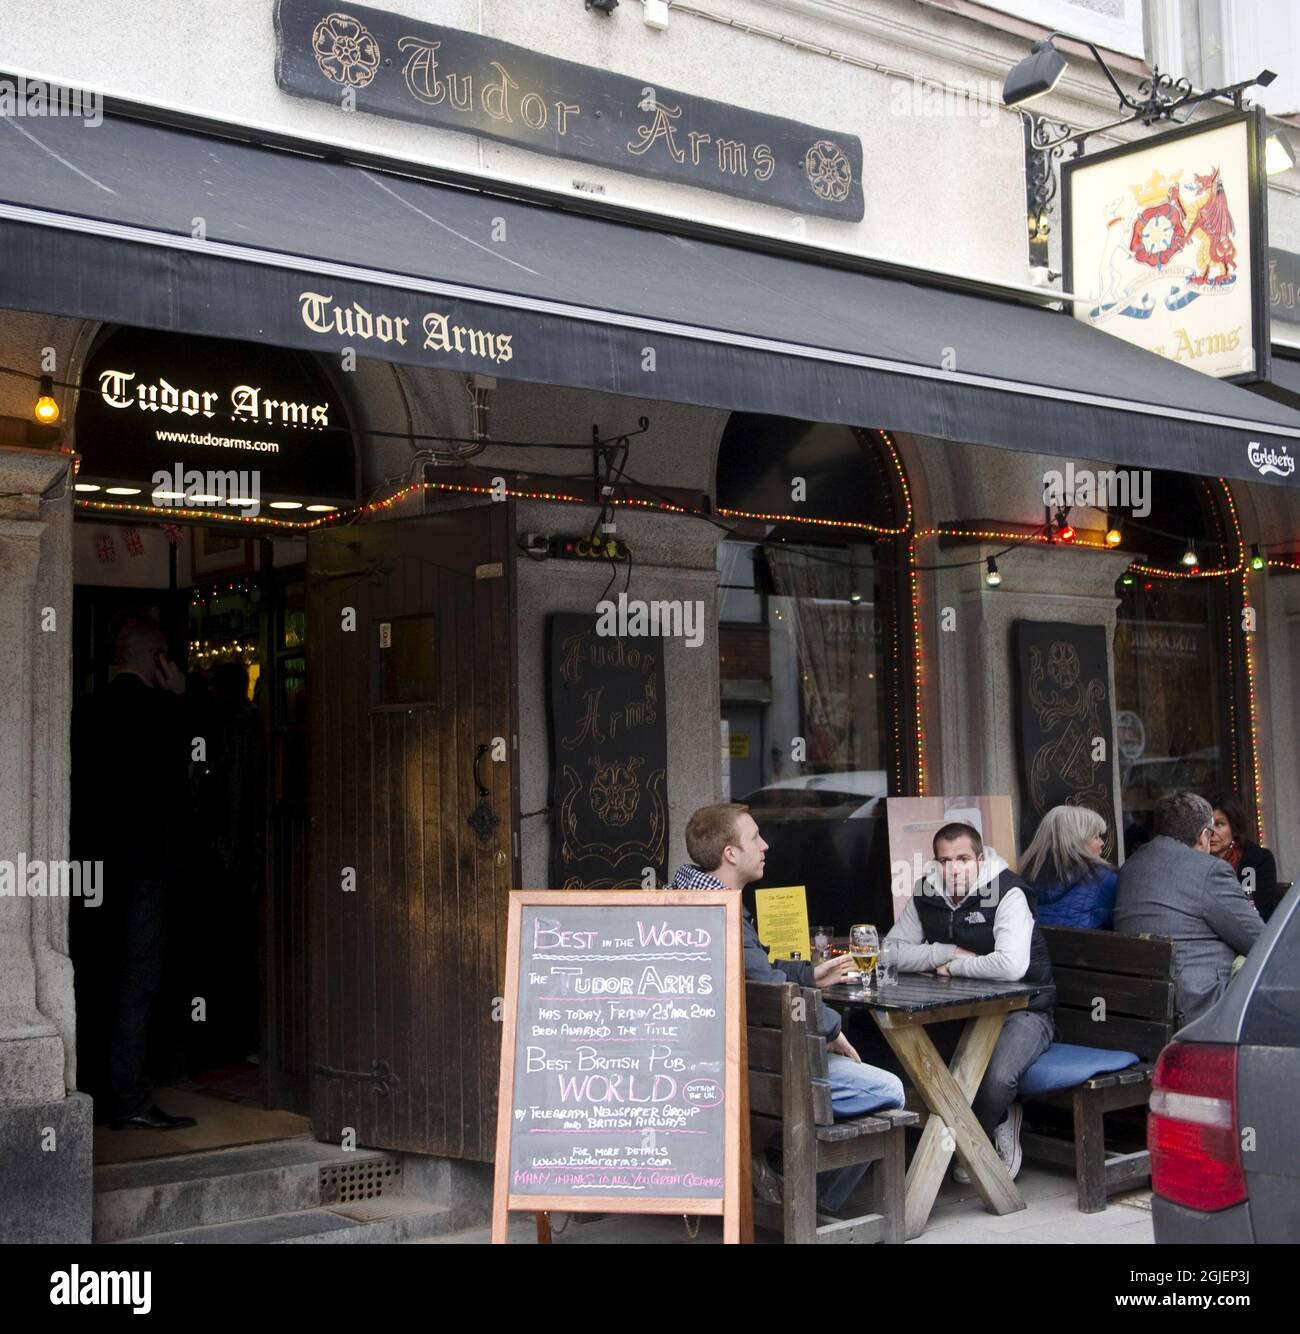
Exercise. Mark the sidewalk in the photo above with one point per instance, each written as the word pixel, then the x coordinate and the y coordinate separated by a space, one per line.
pixel 959 1218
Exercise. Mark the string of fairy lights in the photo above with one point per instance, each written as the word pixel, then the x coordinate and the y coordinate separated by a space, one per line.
pixel 1060 534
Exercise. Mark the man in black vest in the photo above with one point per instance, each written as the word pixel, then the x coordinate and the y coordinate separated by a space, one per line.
pixel 970 915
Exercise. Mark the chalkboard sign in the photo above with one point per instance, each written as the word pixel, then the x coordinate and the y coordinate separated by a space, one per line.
pixel 620 1062
pixel 609 757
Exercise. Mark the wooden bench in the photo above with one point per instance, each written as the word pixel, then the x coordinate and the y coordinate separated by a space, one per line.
pixel 789 1093
pixel 1134 977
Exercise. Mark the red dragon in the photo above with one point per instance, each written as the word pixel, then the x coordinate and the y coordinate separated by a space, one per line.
pixel 1215 223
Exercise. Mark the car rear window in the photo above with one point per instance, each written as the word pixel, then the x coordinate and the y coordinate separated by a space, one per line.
pixel 1273 1014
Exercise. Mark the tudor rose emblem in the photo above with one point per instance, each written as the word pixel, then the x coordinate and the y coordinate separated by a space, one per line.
pixel 345 50
pixel 829 171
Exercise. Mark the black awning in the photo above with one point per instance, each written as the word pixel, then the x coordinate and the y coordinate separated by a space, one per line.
pixel 172 229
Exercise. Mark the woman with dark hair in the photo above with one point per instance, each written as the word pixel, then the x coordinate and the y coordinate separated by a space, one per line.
pixel 1073 886
pixel 1255 868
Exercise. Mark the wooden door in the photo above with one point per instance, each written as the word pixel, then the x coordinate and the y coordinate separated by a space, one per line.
pixel 410 661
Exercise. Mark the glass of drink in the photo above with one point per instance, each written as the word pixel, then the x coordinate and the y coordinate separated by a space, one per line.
pixel 821 943
pixel 887 968
pixel 864 946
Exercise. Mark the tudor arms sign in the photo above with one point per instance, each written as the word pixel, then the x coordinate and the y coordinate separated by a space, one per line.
pixel 369 60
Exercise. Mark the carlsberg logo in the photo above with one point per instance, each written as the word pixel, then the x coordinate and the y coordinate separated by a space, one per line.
pixel 1265 460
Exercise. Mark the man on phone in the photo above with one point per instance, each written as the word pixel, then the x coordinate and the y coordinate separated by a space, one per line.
pixel 130 811
pixel 728 852
pixel 970 915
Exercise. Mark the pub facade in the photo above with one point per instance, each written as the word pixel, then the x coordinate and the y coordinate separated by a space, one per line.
pixel 530 425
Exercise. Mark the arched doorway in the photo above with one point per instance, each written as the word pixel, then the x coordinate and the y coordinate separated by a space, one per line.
pixel 1180 679
pixel 815 646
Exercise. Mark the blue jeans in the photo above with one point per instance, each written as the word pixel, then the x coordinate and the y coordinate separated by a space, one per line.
pixel 856 1090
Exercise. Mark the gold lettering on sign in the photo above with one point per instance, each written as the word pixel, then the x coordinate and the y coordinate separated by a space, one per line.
pixel 731 157
pixel 440 335
pixel 421 70
pixel 495 98
pixel 660 128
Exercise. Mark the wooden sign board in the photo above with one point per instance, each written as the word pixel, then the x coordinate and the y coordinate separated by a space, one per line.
pixel 622 1056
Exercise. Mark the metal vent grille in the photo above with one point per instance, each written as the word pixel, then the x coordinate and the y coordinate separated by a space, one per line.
pixel 346 1183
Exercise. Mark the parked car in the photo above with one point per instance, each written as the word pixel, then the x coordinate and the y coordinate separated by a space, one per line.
pixel 1222 1130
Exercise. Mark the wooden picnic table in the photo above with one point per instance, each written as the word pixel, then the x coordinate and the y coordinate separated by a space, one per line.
pixel 903 1012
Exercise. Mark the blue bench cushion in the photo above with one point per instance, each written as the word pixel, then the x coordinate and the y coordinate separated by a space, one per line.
pixel 1063 1065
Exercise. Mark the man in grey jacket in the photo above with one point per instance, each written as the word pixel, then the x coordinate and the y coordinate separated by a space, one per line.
pixel 1172 887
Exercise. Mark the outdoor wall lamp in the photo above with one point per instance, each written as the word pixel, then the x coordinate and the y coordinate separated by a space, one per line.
pixel 1277 156
pixel 46 410
pixel 1159 97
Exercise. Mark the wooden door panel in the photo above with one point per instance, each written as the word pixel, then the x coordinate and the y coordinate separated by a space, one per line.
pixel 405 1047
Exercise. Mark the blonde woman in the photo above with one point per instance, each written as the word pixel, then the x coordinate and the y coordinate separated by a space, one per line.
pixel 1072 884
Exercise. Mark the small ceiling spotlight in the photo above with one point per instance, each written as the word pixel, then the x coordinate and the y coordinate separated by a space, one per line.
pixel 46 410
pixel 992 577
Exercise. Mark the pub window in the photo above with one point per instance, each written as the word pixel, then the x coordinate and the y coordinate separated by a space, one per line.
pixel 811 663
pixel 407 658
pixel 1178 670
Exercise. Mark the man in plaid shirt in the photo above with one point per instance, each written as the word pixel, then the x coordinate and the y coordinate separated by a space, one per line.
pixel 728 852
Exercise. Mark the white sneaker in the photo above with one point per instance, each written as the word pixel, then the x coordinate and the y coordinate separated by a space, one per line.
pixel 1006 1139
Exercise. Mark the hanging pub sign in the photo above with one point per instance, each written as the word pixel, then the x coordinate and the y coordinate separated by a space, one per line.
pixel 184 422
pixel 1166 245
pixel 369 60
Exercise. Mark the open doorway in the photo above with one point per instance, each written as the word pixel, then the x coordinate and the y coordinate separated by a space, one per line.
pixel 188 783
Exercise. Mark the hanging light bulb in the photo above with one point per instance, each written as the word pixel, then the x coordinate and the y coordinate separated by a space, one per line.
pixel 1256 559
pixel 1127 579
pixel 1190 559
pixel 46 410
pixel 992 577
pixel 1064 529
pixel 1113 535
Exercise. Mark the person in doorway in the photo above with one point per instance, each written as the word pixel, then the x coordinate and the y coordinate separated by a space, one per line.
pixel 1073 886
pixel 1173 887
pixel 130 812
pixel 728 852
pixel 970 915
pixel 1255 868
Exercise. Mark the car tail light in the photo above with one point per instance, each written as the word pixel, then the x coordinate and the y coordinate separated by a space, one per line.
pixel 1192 1128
